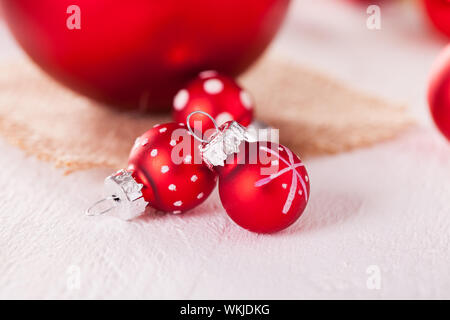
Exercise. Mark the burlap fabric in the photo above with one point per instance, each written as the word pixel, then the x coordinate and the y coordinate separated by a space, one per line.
pixel 315 114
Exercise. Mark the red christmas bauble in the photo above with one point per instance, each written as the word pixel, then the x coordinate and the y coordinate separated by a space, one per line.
pixel 439 13
pixel 439 92
pixel 166 161
pixel 265 188
pixel 218 95
pixel 136 54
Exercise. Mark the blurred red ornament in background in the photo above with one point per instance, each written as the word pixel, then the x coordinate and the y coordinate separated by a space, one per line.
pixel 439 92
pixel 217 95
pixel 136 54
pixel 439 13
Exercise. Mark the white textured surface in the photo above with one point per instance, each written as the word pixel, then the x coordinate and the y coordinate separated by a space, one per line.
pixel 386 206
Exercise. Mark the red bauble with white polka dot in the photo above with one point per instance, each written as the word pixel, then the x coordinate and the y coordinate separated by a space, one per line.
pixel 167 162
pixel 218 95
pixel 264 187
pixel 439 92
pixel 165 171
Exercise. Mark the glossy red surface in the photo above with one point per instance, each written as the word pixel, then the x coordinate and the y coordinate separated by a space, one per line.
pixel 136 54
pixel 439 92
pixel 439 13
pixel 265 193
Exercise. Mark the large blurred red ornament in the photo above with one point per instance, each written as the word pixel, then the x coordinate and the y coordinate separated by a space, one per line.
pixel 439 14
pixel 263 186
pixel 167 162
pixel 439 92
pixel 136 54
pixel 217 95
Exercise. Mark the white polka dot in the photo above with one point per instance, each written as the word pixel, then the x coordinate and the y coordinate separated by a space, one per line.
pixel 213 86
pixel 172 187
pixel 284 185
pixel 200 195
pixel 154 153
pixel 178 203
pixel 182 124
pixel 188 159
pixel 207 74
pixel 164 169
pixel 280 149
pixel 156 125
pixel 246 99
pixel 162 130
pixel 300 192
pixel 144 142
pixel 176 212
pixel 306 178
pixel 223 117
pixel 136 143
pixel 194 178
pixel 275 162
pixel 181 99
pixel 173 143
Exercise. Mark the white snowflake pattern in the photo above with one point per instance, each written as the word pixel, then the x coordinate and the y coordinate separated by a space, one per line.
pixel 295 177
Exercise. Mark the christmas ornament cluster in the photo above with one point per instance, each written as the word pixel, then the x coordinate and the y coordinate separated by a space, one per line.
pixel 174 167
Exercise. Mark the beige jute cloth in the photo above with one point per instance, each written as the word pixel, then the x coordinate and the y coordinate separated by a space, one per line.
pixel 315 114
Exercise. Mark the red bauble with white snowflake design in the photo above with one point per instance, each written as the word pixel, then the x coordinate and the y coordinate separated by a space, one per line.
pixel 166 161
pixel 263 186
pixel 264 197
pixel 218 95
